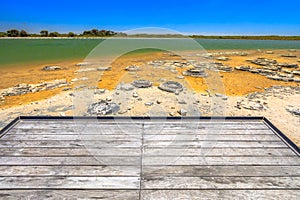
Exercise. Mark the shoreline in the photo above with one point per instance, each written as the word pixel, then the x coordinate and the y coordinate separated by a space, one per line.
pixel 242 92
pixel 251 38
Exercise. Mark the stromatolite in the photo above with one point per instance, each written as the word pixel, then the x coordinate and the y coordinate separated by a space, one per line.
pixel 195 73
pixel 171 86
pixel 141 83
pixel 103 108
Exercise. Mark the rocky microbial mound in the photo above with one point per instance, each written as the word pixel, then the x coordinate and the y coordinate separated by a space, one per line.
pixel 171 86
pixel 103 108
pixel 263 61
pixel 195 73
pixel 141 83
pixel 51 68
pixel 274 72
pixel 133 68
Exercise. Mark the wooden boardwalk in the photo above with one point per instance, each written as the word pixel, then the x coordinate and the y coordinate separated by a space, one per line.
pixel 142 158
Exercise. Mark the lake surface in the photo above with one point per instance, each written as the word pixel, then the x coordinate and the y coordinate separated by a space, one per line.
pixel 22 51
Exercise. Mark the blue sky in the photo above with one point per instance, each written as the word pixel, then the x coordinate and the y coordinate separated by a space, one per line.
pixel 208 17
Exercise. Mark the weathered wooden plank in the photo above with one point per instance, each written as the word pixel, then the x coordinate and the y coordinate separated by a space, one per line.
pixel 70 194
pixel 147 160
pixel 221 194
pixel 70 182
pixel 76 125
pixel 149 138
pixel 219 137
pixel 209 126
pixel 155 126
pixel 71 131
pixel 206 160
pixel 215 171
pixel 207 132
pixel 96 160
pixel 130 121
pixel 73 137
pixel 68 143
pixel 60 170
pixel 268 152
pixel 19 151
pixel 214 143
pixel 221 183
pixel 37 151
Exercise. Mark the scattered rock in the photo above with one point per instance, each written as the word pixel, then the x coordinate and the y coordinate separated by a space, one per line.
pixel 182 102
pixel 243 68
pixel 103 108
pixel 294 111
pixel 103 68
pixel 252 105
pixel 158 101
pixel 182 112
pixel 288 65
pixel 263 61
pixel 149 103
pixel 222 58
pixel 67 89
pixel 289 55
pixel 51 68
pixel 141 83
pixel 171 86
pixel 135 95
pixel 180 77
pixel 83 64
pixel 125 87
pixel 122 112
pixel 24 88
pixel 85 70
pixel 243 54
pixel 172 114
pixel 296 72
pixel 224 68
pixel 108 98
pixel 195 73
pixel 132 68
pixel 269 52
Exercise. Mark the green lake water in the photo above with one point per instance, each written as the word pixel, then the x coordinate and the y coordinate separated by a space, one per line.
pixel 22 51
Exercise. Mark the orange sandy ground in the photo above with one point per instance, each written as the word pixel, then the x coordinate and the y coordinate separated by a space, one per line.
pixel 233 83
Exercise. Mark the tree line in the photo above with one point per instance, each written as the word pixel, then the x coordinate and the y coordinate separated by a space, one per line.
pixel 46 33
pixel 109 33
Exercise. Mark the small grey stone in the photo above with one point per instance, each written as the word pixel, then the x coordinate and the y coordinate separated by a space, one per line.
pixel 149 103
pixel 51 68
pixel 180 77
pixel 171 113
pixel 181 102
pixel 182 112
pixel 141 83
pixel 103 68
pixel 122 112
pixel 108 98
pixel 125 87
pixel 132 68
pixel 135 94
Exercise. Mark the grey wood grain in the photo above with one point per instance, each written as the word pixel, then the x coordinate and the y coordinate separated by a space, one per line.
pixel 70 194
pixel 221 194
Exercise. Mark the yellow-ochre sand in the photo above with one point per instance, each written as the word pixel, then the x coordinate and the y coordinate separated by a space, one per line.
pixel 235 85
